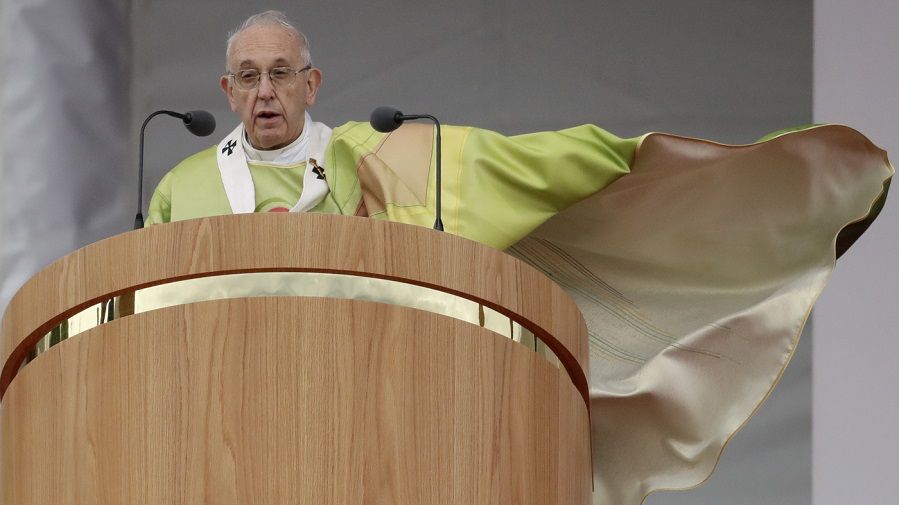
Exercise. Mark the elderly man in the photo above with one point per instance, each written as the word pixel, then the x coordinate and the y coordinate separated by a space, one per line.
pixel 695 270
pixel 262 164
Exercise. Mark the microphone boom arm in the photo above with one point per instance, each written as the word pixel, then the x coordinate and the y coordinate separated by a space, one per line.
pixel 438 222
pixel 198 122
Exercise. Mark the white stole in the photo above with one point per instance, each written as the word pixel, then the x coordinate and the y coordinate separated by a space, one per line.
pixel 232 162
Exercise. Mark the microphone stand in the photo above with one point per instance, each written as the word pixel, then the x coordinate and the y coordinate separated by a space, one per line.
pixel 198 122
pixel 438 222
pixel 139 218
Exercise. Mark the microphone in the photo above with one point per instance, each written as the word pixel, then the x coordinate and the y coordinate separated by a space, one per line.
pixel 199 122
pixel 387 119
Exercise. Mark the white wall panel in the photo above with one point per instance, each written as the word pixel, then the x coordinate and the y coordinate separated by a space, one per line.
pixel 856 403
pixel 65 119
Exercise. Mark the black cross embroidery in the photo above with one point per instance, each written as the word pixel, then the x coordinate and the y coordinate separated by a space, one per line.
pixel 230 147
pixel 317 170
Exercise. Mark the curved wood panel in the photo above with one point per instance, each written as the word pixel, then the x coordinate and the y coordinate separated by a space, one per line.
pixel 293 401
pixel 308 242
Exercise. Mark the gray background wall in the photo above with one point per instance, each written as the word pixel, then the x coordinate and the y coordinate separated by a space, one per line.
pixel 730 71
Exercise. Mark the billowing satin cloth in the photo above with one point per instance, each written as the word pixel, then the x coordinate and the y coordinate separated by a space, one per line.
pixel 696 274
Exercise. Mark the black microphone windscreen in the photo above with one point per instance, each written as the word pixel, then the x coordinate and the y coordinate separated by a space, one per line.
pixel 385 119
pixel 199 122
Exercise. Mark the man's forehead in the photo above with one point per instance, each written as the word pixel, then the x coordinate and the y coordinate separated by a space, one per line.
pixel 268 45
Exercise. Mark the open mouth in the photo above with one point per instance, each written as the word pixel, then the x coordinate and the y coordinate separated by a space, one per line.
pixel 267 115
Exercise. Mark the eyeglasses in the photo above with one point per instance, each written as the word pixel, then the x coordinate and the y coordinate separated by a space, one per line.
pixel 248 79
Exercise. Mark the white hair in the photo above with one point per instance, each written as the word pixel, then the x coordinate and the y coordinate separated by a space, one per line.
pixel 271 18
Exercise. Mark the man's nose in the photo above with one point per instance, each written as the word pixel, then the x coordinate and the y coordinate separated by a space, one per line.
pixel 266 88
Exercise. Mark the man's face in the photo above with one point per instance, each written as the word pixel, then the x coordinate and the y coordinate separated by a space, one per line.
pixel 273 116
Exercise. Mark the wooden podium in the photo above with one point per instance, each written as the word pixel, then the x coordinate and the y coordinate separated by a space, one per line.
pixel 293 399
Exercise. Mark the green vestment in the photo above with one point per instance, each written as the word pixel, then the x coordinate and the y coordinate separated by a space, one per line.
pixel 496 189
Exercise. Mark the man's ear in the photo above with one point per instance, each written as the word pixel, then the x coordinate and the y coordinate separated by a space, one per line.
pixel 225 83
pixel 313 82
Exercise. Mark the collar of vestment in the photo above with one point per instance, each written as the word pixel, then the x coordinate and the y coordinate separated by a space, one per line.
pixel 291 154
pixel 232 157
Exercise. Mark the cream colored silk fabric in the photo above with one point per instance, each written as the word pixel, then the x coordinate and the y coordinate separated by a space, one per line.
pixel 696 274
